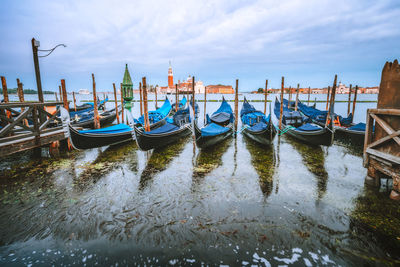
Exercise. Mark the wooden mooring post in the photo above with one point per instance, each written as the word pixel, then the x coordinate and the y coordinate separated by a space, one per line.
pixel 116 102
pixel 5 95
pixel 73 95
pixel 382 146
pixel 141 98
pixel 281 108
pixel 297 96
pixel 265 97
pixel 145 106
pixel 309 92
pixel 96 118
pixel 236 103
pixel 193 98
pixel 354 102
pixel 327 97
pixel 122 104
pixel 176 98
pixel 349 101
pixel 205 105
pixel 329 118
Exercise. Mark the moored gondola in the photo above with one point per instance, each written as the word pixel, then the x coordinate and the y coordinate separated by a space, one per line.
pixel 345 129
pixel 217 128
pixel 156 117
pixel 297 126
pixel 256 125
pixel 173 130
pixel 85 139
pixel 87 120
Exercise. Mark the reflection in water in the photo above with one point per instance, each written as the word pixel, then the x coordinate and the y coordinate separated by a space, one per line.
pixel 314 159
pixel 210 158
pixel 263 161
pixel 159 160
pixel 235 157
pixel 106 161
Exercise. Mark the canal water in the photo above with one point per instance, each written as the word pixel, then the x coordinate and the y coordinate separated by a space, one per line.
pixel 234 204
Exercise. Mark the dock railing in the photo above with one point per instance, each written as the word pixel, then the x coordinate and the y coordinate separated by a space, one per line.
pixel 21 127
pixel 381 155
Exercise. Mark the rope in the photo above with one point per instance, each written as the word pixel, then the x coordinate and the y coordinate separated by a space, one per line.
pixel 287 128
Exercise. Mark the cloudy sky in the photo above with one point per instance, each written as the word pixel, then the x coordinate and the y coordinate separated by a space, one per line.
pixel 307 41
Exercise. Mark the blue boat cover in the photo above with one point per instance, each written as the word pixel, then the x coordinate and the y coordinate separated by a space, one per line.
pixel 358 127
pixel 182 103
pixel 250 116
pixel 308 127
pixel 119 128
pixel 87 110
pixel 319 115
pixel 223 113
pixel 168 127
pixel 261 126
pixel 213 129
pixel 157 115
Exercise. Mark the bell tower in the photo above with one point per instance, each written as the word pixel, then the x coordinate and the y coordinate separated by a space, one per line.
pixel 170 77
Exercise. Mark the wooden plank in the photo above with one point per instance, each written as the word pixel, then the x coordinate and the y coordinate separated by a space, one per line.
pixel 29 143
pixel 28 104
pixel 386 127
pixel 389 111
pixel 23 135
pixel 384 155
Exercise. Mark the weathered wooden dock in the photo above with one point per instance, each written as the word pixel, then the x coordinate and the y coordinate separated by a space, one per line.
pixel 382 142
pixel 28 125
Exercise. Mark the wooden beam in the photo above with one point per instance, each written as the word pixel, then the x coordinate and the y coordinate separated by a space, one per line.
pixel 141 99
pixel 394 112
pixel 383 155
pixel 22 116
pixel 384 139
pixel 385 127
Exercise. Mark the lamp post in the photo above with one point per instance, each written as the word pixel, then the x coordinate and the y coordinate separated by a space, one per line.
pixel 35 50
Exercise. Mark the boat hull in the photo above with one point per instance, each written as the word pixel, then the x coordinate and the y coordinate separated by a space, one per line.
pixel 87 141
pixel 207 141
pixel 151 141
pixel 321 137
pixel 264 137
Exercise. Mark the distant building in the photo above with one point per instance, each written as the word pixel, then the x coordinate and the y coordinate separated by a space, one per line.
pixel 83 92
pixel 220 89
pixel 372 90
pixel 183 87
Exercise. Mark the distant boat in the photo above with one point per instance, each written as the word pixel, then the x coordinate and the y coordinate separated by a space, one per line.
pixel 83 92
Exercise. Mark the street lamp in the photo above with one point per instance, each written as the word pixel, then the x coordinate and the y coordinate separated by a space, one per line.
pixel 35 50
